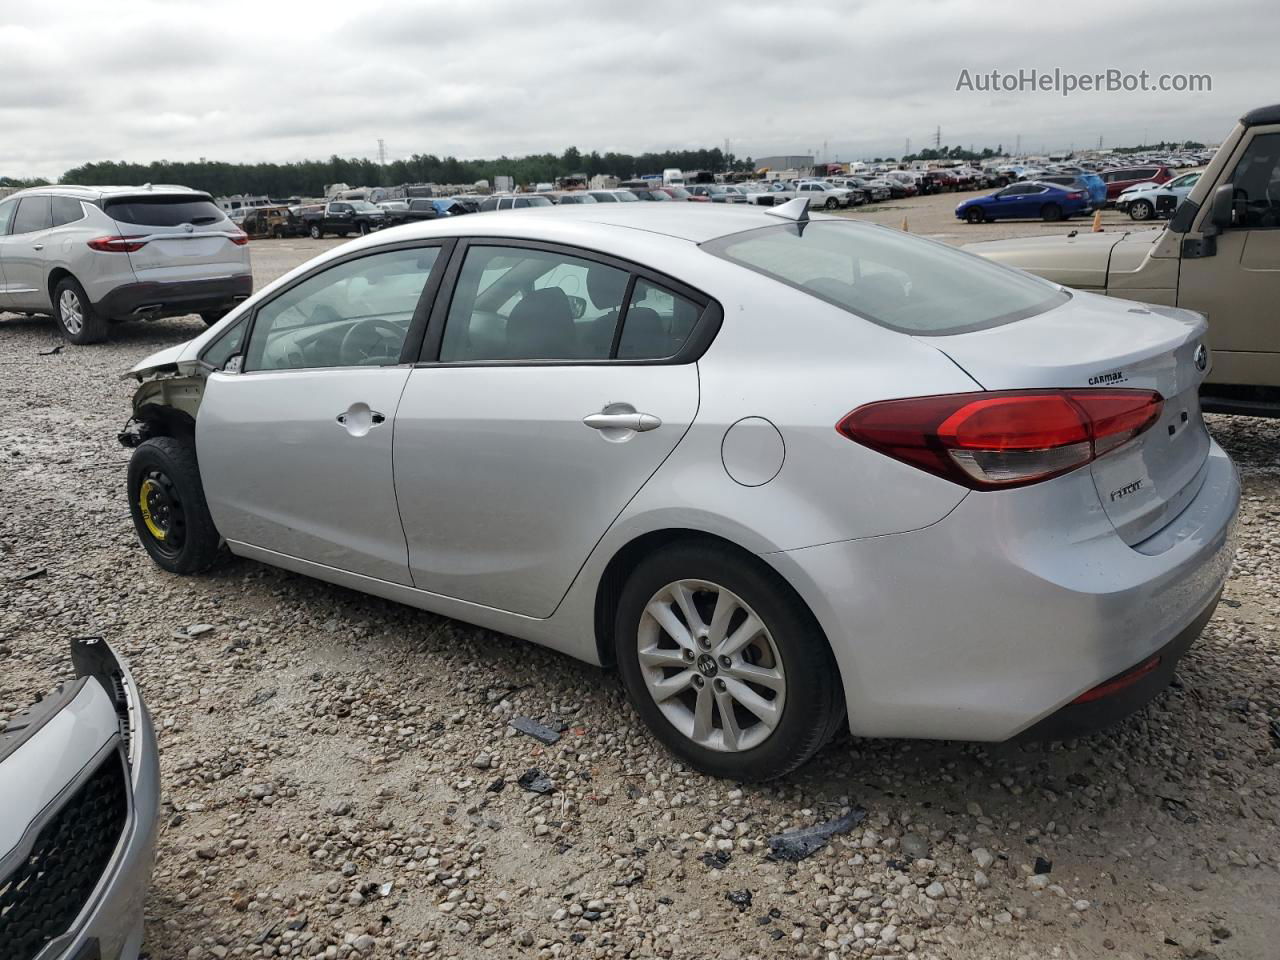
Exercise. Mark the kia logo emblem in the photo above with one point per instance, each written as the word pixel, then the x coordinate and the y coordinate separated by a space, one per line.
pixel 1202 358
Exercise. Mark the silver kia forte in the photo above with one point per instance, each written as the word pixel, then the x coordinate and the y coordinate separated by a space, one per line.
pixel 785 474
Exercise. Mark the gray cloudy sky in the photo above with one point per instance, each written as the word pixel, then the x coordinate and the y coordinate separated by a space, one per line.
pixel 285 80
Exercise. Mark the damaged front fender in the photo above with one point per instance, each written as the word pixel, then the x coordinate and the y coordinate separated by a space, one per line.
pixel 168 396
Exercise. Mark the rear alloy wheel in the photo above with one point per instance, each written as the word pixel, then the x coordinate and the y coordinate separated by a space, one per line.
pixel 831 203
pixel 166 501
pixel 1051 213
pixel 314 231
pixel 975 215
pixel 725 664
pixel 1141 210
pixel 76 317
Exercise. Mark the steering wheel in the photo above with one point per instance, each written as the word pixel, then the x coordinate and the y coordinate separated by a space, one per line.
pixel 372 340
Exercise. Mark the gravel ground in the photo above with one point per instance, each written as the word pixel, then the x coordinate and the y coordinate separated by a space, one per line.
pixel 341 779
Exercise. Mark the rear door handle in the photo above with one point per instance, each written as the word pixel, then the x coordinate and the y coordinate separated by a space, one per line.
pixel 640 422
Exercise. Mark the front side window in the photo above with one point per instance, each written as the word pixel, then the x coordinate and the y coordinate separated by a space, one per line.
pixel 34 213
pixel 893 279
pixel 1256 182
pixel 512 303
pixel 356 313
pixel 6 214
pixel 658 322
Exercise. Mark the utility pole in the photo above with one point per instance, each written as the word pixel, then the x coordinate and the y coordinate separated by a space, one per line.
pixel 937 138
pixel 382 152
pixel 906 151
pixel 1017 150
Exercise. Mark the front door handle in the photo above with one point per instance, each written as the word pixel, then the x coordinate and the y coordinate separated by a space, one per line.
pixel 358 419
pixel 37 246
pixel 640 422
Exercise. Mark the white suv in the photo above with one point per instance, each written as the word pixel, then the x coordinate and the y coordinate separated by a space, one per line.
pixel 91 255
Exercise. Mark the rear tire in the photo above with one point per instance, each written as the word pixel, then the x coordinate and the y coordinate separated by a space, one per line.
pixel 975 215
pixel 77 320
pixel 831 203
pixel 314 232
pixel 166 501
pixel 1141 210
pixel 1051 213
pixel 790 651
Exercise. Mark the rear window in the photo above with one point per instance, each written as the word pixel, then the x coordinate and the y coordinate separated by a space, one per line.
pixel 163 211
pixel 898 281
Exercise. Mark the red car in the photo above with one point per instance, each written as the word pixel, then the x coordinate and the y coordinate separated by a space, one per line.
pixel 1122 178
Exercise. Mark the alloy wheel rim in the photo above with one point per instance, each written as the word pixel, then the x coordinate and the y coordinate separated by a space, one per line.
pixel 711 666
pixel 71 311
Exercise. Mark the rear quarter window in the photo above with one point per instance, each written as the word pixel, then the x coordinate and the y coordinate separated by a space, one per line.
pixel 163 211
pixel 905 283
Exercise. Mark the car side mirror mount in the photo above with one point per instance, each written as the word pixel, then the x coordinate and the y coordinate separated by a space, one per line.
pixel 234 364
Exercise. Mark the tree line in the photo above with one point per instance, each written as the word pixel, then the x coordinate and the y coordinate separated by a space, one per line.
pixel 310 177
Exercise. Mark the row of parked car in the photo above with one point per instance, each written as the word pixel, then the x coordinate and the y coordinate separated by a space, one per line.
pixel 1065 191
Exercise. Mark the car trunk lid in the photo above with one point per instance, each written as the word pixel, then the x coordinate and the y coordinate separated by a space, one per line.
pixel 1096 342
pixel 186 237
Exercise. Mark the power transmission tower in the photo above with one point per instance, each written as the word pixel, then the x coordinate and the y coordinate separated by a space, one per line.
pixel 906 152
pixel 937 138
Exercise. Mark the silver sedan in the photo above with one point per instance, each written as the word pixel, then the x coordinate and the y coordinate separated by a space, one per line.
pixel 785 474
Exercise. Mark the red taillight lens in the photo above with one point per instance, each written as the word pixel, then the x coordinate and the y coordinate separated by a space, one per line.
pixel 239 239
pixel 117 244
pixel 1076 196
pixel 1122 682
pixel 990 441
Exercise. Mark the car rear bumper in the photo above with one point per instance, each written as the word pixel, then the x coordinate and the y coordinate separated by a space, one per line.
pixel 101 731
pixel 175 298
pixel 980 626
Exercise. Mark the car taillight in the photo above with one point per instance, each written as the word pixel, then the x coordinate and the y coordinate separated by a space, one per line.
pixel 239 239
pixel 117 244
pixel 1075 196
pixel 1006 438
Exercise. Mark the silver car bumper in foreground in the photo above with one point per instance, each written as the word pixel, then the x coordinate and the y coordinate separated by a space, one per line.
pixel 79 797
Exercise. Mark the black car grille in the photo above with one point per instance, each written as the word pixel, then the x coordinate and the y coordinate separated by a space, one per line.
pixel 41 899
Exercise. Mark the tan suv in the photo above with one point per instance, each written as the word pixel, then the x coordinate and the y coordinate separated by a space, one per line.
pixel 1219 254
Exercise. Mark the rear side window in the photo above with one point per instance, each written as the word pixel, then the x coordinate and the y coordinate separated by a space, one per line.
pixel 161 211
pixel 901 282
pixel 66 210
pixel 657 324
pixel 34 213
pixel 513 303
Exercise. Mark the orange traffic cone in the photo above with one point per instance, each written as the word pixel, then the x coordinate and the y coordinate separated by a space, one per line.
pixel 905 228
pixel 1097 222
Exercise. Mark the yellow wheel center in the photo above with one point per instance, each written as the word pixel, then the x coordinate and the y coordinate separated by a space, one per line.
pixel 148 488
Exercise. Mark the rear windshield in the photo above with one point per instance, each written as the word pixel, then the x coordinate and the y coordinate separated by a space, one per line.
pixel 163 211
pixel 901 282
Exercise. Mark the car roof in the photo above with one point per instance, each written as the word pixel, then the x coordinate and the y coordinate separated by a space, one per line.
pixel 696 223
pixel 108 192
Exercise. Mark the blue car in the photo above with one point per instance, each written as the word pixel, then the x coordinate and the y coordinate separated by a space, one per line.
pixel 1024 201
pixel 1097 186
